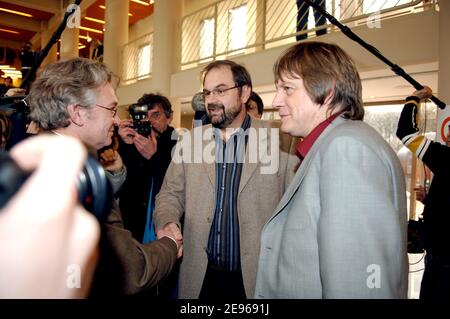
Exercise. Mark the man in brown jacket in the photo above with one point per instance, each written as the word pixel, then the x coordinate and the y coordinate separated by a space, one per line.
pixel 225 179
pixel 75 98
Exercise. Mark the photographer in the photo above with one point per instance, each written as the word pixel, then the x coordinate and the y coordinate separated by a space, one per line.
pixel 436 218
pixel 147 159
pixel 75 97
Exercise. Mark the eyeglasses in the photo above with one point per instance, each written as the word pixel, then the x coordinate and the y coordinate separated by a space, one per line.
pixel 155 116
pixel 218 92
pixel 112 110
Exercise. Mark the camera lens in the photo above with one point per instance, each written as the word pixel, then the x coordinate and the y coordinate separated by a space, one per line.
pixel 11 178
pixel 94 188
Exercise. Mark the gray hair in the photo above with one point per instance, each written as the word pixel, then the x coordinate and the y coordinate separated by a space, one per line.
pixel 62 83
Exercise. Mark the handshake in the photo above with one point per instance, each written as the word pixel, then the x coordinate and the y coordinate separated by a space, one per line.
pixel 172 231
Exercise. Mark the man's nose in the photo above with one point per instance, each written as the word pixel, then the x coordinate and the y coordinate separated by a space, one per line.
pixel 277 101
pixel 116 120
pixel 211 99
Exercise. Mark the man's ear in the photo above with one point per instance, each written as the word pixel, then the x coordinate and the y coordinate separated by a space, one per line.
pixel 77 114
pixel 245 93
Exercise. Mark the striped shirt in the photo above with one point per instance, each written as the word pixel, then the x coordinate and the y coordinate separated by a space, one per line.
pixel 223 244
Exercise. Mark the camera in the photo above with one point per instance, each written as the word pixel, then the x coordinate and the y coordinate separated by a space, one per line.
pixel 94 188
pixel 141 124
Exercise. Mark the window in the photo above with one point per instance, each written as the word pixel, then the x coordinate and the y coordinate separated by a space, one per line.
pixel 144 61
pixel 237 28
pixel 207 38
pixel 384 119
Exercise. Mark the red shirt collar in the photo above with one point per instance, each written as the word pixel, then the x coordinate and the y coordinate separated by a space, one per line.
pixel 305 145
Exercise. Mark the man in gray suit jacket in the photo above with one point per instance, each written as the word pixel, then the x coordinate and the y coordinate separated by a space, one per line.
pixel 224 180
pixel 340 229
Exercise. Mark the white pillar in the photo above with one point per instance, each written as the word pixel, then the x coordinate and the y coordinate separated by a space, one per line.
pixel 116 33
pixel 166 49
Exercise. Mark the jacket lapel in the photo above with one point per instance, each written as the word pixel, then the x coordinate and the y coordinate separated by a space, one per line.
pixel 210 166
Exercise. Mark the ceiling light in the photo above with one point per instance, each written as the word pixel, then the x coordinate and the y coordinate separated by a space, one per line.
pixel 95 20
pixel 9 31
pixel 12 72
pixel 17 12
pixel 103 7
pixel 90 29
pixel 141 2
pixel 14 77
pixel 81 47
pixel 85 37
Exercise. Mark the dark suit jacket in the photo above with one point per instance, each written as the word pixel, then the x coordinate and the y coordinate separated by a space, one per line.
pixel 127 266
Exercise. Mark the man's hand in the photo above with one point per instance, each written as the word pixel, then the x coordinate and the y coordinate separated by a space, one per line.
pixel 16 92
pixel 424 94
pixel 171 230
pixel 147 147
pixel 111 160
pixel 126 131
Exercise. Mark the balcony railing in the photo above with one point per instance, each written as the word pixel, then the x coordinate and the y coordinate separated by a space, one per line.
pixel 137 58
pixel 231 27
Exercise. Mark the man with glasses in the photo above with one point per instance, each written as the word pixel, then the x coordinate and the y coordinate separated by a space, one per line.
pixel 75 98
pixel 222 202
pixel 146 159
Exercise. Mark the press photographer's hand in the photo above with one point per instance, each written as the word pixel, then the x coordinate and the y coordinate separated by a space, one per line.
pixel 126 131
pixel 44 231
pixel 146 146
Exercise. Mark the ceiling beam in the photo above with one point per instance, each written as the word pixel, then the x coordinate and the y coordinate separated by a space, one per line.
pixel 53 6
pixel 20 22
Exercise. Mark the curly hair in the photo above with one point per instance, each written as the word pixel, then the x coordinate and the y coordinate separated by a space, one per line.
pixel 69 82
pixel 152 100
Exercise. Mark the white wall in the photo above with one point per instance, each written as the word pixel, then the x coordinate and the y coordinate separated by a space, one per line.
pixel 141 28
pixel 412 49
pixel 190 6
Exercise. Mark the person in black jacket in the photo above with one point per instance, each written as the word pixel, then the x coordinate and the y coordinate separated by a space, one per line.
pixel 146 159
pixel 436 215
pixel 27 59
